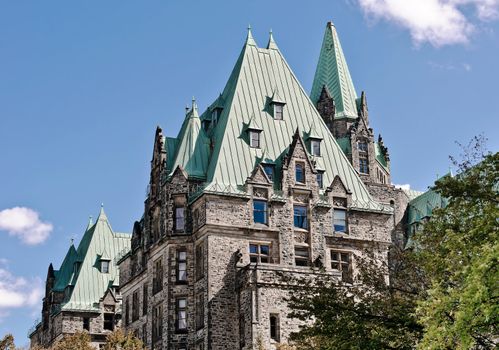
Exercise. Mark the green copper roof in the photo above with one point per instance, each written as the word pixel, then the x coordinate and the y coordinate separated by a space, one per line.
pixel 192 149
pixel 422 206
pixel 332 71
pixel 345 144
pixel 89 283
pixel 257 74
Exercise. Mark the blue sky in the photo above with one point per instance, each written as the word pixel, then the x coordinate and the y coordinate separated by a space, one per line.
pixel 84 84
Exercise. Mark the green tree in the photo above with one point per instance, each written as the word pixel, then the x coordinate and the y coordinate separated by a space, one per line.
pixel 119 340
pixel 459 251
pixel 369 313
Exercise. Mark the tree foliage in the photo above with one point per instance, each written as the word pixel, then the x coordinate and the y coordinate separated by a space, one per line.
pixel 119 340
pixel 459 253
pixel 7 343
pixel 370 313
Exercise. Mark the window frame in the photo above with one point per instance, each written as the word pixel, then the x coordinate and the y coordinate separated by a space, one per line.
pixel 179 228
pixel 181 260
pixel 256 258
pixel 265 211
pixel 302 258
pixel 178 310
pixel 345 220
pixel 320 182
pixel 108 321
pixel 278 115
pixel 275 328
pixel 135 305
pixel 200 311
pixel 304 223
pixel 315 142
pixel 255 142
pixel 145 298
pixel 272 172
pixel 347 275
pixel 301 166
pixel 105 266
pixel 157 322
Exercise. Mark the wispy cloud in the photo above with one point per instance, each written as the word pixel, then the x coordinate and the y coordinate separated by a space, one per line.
pixel 450 66
pixel 18 292
pixel 437 22
pixel 25 224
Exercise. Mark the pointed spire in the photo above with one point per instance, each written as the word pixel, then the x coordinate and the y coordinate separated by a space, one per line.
pixel 249 39
pixel 102 214
pixel 271 44
pixel 194 109
pixel 90 223
pixel 332 71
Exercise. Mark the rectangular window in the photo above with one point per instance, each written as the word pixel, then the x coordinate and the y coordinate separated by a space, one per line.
pixel 260 213
pixel 179 219
pixel 127 311
pixel 301 256
pixel 363 146
pixel 104 266
pixel 340 220
pixel 158 277
pixel 86 323
pixel 259 253
pixel 315 146
pixel 300 216
pixel 200 311
pixel 144 333
pixel 181 266
pixel 278 111
pixel 254 139
pixel 135 306
pixel 157 322
pixel 181 314
pixel 299 173
pixel 275 328
pixel 363 165
pixel 145 298
pixel 109 322
pixel 320 179
pixel 269 170
pixel 341 261
pixel 199 261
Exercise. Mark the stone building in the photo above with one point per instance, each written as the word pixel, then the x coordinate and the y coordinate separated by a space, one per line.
pixel 83 293
pixel 266 182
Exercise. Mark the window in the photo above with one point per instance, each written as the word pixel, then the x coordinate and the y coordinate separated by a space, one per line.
pixel 274 327
pixel 301 256
pixel 157 282
pixel 278 111
pixel 179 219
pixel 181 266
pixel 341 261
pixel 104 266
pixel 315 146
pixel 181 314
pixel 254 139
pixel 145 298
pixel 299 173
pixel 320 179
pixel 206 124
pixel 259 253
pixel 269 170
pixel 157 322
pixel 300 216
pixel 135 306
pixel 215 114
pixel 340 220
pixel 260 213
pixel 86 323
pixel 127 311
pixel 363 146
pixel 144 333
pixel 363 165
pixel 200 311
pixel 199 261
pixel 109 322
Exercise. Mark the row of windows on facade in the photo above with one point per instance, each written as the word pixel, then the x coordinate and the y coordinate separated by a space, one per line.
pixel 300 216
pixel 108 324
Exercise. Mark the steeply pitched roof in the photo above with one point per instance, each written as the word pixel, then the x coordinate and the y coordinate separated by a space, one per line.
pixel 192 149
pixel 256 75
pixel 332 71
pixel 89 284
pixel 423 205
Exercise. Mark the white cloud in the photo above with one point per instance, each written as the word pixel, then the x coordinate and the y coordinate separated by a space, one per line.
pixel 450 66
pixel 25 224
pixel 406 187
pixel 18 292
pixel 437 22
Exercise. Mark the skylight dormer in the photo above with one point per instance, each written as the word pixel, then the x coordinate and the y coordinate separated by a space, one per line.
pixel 277 106
pixel 254 133
pixel 315 142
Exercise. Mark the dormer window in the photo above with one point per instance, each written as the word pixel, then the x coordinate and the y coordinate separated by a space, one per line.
pixel 315 147
pixel 299 173
pixel 104 266
pixel 278 111
pixel 254 138
pixel 215 115
pixel 320 179
pixel 206 124
pixel 269 170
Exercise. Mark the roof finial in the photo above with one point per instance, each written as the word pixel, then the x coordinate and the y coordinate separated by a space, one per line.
pixel 194 105
pixel 271 44
pixel 249 39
